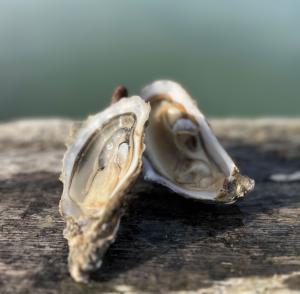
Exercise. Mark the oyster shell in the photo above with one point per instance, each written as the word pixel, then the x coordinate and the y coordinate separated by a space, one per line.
pixel 182 152
pixel 99 169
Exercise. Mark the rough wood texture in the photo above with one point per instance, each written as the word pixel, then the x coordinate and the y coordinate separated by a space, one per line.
pixel 166 243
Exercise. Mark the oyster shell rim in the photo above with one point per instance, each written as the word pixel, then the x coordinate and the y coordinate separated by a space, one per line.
pixel 89 126
pixel 228 193
pixel 90 236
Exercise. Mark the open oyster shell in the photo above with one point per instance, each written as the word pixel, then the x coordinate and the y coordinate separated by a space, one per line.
pixel 182 152
pixel 99 168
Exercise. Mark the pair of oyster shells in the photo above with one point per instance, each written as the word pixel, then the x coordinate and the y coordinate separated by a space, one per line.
pixel 108 152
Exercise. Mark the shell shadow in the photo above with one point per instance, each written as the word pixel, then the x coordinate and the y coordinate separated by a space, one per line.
pixel 162 231
pixel 158 222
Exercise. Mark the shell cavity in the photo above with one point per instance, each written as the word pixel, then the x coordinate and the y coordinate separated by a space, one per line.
pixel 99 169
pixel 182 151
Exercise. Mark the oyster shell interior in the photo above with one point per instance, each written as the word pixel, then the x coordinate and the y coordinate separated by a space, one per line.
pixel 102 163
pixel 98 170
pixel 182 152
pixel 105 157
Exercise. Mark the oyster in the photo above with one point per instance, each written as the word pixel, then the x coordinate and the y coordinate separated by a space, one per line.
pixel 99 169
pixel 182 152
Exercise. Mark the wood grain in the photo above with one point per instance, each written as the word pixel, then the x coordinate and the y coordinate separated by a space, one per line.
pixel 166 243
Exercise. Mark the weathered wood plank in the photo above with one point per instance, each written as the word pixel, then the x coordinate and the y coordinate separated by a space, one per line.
pixel 166 243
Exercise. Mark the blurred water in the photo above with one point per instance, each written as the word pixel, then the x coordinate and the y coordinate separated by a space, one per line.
pixel 238 58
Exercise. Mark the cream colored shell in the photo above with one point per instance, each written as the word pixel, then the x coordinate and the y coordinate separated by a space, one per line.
pixel 182 152
pixel 99 168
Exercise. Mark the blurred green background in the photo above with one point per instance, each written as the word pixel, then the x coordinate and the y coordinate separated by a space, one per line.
pixel 63 58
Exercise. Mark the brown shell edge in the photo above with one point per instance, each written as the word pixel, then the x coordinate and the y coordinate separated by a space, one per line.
pixel 89 243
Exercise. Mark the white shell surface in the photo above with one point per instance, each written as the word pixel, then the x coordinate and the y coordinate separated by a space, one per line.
pixel 126 105
pixel 213 148
pixel 104 160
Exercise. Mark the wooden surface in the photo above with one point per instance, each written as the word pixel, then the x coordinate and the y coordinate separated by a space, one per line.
pixel 166 243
